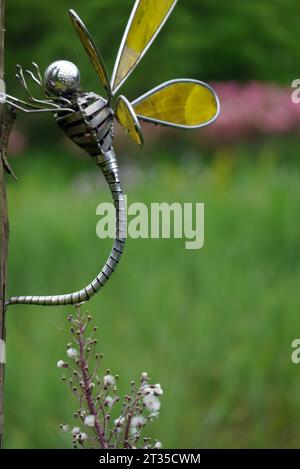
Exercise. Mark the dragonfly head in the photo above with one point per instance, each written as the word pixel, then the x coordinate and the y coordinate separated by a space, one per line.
pixel 62 78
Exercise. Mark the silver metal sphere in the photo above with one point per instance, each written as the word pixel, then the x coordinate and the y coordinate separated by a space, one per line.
pixel 62 78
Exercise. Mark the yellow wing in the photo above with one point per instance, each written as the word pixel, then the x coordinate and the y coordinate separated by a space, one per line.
pixel 91 50
pixel 187 104
pixel 127 118
pixel 146 20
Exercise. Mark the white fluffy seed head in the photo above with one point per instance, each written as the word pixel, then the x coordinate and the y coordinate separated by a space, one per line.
pixel 137 421
pixel 75 431
pixel 109 380
pixel 72 353
pixel 158 390
pixel 89 421
pixel 152 403
pixel 109 401
pixel 152 389
pixel 119 421
pixel 61 364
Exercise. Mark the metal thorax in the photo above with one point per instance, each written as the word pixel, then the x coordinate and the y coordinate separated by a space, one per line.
pixel 87 118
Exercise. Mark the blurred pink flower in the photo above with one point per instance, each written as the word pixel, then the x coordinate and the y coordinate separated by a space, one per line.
pixel 252 109
pixel 17 142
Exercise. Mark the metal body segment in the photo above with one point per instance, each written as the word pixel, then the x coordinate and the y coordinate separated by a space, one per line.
pixel 90 127
pixel 107 163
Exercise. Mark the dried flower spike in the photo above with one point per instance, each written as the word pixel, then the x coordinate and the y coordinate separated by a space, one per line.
pixel 98 397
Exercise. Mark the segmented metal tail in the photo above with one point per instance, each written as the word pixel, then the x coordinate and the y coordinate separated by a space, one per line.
pixel 108 163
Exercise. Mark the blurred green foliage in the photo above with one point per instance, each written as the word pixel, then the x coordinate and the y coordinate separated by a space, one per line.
pixel 214 326
pixel 236 40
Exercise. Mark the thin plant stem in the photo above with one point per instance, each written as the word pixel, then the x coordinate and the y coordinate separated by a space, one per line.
pixel 88 389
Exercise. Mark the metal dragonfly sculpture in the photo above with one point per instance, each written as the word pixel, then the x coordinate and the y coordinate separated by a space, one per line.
pixel 87 118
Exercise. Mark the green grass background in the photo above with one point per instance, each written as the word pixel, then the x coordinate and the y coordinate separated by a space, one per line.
pixel 213 326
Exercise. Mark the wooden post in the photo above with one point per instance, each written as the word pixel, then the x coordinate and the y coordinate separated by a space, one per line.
pixel 6 121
